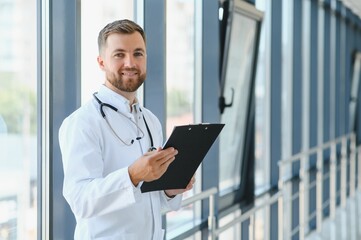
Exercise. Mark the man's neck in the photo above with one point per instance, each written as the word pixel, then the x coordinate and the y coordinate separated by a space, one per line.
pixel 131 96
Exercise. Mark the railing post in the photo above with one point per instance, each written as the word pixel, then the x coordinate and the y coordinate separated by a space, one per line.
pixel 333 169
pixel 210 194
pixel 280 202
pixel 343 172
pixel 358 192
pixel 319 189
pixel 280 218
pixel 352 164
pixel 359 169
pixel 251 227
pixel 211 218
pixel 303 209
pixel 284 205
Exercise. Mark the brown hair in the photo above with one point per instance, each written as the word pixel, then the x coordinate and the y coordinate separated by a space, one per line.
pixel 124 26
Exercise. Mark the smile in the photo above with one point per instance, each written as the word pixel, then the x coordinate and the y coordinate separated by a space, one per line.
pixel 129 74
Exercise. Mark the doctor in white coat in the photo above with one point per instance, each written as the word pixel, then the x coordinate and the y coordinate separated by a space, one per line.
pixel 106 145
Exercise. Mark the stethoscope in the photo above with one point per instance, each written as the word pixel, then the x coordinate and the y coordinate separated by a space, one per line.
pixel 102 104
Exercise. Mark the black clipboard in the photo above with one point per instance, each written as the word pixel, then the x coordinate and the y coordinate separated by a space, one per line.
pixel 192 142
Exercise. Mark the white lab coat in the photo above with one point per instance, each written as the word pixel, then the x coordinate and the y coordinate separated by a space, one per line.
pixel 97 185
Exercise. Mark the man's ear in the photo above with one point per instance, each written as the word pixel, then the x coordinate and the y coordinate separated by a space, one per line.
pixel 100 62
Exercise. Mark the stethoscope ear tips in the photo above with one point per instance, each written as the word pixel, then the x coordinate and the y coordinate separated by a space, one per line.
pixel 137 138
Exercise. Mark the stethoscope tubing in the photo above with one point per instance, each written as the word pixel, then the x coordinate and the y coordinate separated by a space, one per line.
pixel 102 104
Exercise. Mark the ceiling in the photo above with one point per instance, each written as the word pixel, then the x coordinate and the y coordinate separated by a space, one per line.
pixel 354 6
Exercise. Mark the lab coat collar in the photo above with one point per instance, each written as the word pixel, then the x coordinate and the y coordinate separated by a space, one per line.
pixel 106 95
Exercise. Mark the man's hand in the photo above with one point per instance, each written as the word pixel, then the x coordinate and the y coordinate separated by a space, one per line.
pixel 151 165
pixel 172 192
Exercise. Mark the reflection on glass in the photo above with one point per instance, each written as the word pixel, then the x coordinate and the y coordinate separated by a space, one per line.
pixel 94 16
pixel 180 83
pixel 259 230
pixel 262 93
pixel 356 78
pixel 261 223
pixel 237 79
pixel 196 236
pixel 18 120
pixel 180 63
pixel 234 232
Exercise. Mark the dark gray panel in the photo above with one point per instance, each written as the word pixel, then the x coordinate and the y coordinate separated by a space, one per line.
pixel 313 74
pixel 276 88
pixel 338 84
pixel 64 99
pixel 297 82
pixel 326 80
pixel 276 103
pixel 210 90
pixel 154 86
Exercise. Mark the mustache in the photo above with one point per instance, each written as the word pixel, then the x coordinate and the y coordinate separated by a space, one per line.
pixel 130 69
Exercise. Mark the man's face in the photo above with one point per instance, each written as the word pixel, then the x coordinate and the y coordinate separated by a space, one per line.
pixel 123 60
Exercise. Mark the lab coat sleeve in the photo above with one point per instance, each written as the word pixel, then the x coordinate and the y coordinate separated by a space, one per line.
pixel 87 191
pixel 173 204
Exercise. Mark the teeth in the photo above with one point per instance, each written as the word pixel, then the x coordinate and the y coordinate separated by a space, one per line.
pixel 129 73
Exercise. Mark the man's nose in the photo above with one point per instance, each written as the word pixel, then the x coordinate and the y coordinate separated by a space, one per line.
pixel 129 61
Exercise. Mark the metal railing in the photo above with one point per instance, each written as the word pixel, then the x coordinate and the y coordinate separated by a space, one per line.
pixel 250 214
pixel 210 194
pixel 285 184
pixel 285 198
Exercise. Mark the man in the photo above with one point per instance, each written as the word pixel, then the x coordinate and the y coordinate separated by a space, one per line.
pixel 105 148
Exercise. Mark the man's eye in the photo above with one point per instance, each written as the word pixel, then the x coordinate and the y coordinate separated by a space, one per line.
pixel 138 54
pixel 119 55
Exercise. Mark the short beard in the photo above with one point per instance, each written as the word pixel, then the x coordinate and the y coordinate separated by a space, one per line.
pixel 131 85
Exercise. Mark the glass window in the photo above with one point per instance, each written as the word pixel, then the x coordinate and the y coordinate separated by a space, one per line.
pixel 260 228
pixel 180 63
pixel 236 89
pixel 94 16
pixel 262 93
pixel 260 220
pixel 195 236
pixel 233 232
pixel 18 120
pixel 356 77
pixel 180 82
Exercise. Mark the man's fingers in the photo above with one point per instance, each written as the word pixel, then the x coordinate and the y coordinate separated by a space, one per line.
pixel 158 162
pixel 166 155
pixel 167 162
